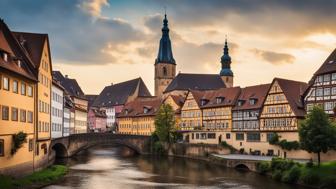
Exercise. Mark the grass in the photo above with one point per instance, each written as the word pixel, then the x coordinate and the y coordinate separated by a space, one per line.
pixel 45 176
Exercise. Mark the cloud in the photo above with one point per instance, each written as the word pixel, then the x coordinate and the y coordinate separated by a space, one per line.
pixel 93 7
pixel 275 57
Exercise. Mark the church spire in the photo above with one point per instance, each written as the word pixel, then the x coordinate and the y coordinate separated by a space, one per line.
pixel 165 54
pixel 226 61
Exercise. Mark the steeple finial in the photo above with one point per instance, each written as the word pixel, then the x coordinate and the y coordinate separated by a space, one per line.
pixel 165 54
pixel 226 61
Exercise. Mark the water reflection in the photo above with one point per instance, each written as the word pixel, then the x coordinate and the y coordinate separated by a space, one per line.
pixel 115 167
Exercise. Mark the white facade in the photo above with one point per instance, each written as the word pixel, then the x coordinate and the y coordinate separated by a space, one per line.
pixel 56 112
pixel 111 116
pixel 66 122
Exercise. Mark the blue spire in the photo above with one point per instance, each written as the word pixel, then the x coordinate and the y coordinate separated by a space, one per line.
pixel 226 62
pixel 165 54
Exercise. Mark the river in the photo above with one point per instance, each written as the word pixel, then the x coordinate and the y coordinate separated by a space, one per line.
pixel 112 167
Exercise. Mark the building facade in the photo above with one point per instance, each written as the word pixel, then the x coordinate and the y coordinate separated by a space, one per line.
pixel 57 110
pixel 138 116
pixel 97 120
pixel 322 87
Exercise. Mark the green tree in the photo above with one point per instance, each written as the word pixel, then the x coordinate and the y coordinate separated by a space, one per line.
pixel 317 133
pixel 165 123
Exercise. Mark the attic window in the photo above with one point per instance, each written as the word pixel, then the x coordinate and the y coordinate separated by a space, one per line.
pixel 5 56
pixel 219 100
pixel 240 102
pixel 203 102
pixel 253 101
pixel 19 63
pixel 331 61
pixel 126 111
pixel 146 110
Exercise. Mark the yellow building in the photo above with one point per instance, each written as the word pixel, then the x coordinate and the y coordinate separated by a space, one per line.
pixel 191 113
pixel 176 102
pixel 38 48
pixel 138 116
pixel 17 105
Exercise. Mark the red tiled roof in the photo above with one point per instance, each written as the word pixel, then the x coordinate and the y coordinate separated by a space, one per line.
pixel 329 65
pixel 257 92
pixel 136 108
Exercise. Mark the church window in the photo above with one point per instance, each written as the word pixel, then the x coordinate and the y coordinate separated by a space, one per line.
pixel 164 71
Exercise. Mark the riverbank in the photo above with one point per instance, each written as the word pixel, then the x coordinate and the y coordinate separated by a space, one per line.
pixel 309 174
pixel 36 180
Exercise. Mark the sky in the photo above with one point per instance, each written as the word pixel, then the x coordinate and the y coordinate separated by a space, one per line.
pixel 99 42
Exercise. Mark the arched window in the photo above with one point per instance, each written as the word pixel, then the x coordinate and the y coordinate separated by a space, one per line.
pixel 164 71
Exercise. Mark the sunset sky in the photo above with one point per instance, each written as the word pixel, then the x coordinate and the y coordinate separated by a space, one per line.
pixel 99 42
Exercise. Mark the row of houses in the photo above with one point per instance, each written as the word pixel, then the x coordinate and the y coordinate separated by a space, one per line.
pixel 245 118
pixel 34 101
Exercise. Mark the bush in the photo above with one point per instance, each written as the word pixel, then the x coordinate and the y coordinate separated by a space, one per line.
pixel 226 145
pixel 310 178
pixel 18 140
pixel 276 175
pixel 310 164
pixel 263 167
pixel 282 164
pixel 292 175
pixel 329 183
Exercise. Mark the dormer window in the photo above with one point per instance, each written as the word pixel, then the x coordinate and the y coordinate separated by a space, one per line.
pixel 219 100
pixel 240 102
pixel 19 63
pixel 204 101
pixel 126 111
pixel 146 110
pixel 253 101
pixel 5 56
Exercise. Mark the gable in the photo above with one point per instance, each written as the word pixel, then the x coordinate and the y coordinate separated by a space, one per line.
pixel 190 102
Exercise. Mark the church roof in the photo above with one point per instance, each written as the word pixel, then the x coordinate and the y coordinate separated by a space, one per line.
pixel 187 81
pixel 165 54
pixel 118 94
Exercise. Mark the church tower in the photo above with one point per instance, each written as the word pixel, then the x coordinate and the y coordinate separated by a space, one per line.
pixel 226 72
pixel 165 66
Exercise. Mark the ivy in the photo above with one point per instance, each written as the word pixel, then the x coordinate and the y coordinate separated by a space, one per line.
pixel 284 144
pixel 18 140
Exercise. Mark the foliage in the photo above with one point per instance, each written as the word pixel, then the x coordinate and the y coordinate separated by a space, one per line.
pixel 292 175
pixel 18 140
pixel 158 148
pixel 276 175
pixel 310 163
pixel 284 144
pixel 317 134
pixel 263 167
pixel 281 164
pixel 226 145
pixel 309 178
pixel 45 176
pixel 165 123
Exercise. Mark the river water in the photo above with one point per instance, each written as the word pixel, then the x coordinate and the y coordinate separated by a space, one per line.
pixel 112 167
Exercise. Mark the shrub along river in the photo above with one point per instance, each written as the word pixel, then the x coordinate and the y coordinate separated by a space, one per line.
pixel 115 167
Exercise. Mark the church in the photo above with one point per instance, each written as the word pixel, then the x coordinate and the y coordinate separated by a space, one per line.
pixel 168 83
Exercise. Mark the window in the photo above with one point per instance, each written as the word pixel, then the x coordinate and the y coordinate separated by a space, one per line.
pixel 30 91
pixel 23 89
pixel 6 83
pixel 23 115
pixel 5 113
pixel 253 137
pixel 319 92
pixel 253 101
pixel 333 76
pixel 37 149
pixel 328 106
pixel 31 145
pixel 30 117
pixel 228 136
pixel 269 136
pixel 211 135
pixel 326 91
pixel 14 114
pixel 326 78
pixel 239 136
pixel 164 71
pixel 15 86
pixel 2 147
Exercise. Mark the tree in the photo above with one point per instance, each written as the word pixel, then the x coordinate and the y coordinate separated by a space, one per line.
pixel 317 133
pixel 165 123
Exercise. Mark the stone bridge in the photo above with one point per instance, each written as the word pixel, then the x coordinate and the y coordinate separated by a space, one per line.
pixel 70 145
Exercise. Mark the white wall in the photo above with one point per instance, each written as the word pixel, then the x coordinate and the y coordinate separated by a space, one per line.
pixel 66 122
pixel 56 112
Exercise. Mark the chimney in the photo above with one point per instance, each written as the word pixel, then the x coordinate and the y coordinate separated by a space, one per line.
pixel 111 84
pixel 66 76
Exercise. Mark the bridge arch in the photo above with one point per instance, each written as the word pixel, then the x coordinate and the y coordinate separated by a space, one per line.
pixel 60 150
pixel 242 166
